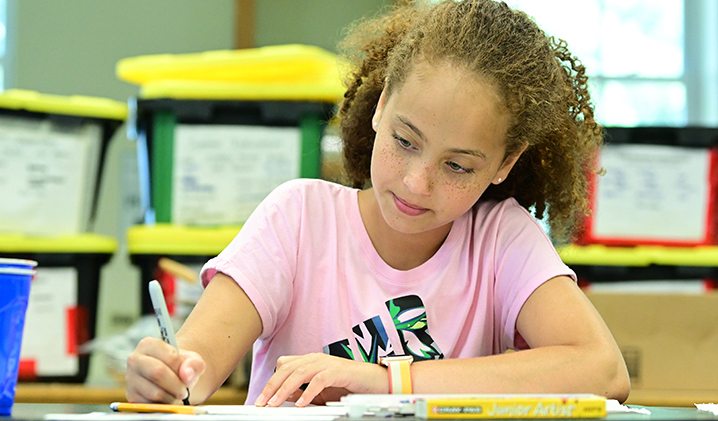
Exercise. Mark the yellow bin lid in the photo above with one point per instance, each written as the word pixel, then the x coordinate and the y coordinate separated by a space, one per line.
pixel 281 72
pixel 78 243
pixel 326 91
pixel 179 239
pixel 682 256
pixel 279 63
pixel 603 256
pixel 75 105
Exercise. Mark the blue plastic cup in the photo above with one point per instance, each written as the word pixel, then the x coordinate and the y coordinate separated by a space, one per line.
pixel 14 295
pixel 17 263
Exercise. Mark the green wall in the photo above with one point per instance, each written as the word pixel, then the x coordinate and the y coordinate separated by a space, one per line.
pixel 71 47
pixel 315 22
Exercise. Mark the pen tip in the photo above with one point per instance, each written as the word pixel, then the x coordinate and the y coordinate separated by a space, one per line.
pixel 113 406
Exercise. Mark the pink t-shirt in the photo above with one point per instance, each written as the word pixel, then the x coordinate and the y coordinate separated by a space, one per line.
pixel 306 261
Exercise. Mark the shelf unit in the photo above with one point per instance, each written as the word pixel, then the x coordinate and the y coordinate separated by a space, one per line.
pixel 599 263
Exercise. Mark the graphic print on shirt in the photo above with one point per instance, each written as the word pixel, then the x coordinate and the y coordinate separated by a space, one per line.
pixel 372 340
pixel 339 349
pixel 409 318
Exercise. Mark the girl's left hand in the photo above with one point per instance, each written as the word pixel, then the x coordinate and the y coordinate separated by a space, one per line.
pixel 328 379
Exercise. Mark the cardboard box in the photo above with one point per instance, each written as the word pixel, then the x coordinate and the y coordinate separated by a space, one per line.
pixel 669 341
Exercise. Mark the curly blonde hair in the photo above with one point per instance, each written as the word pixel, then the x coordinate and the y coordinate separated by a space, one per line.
pixel 542 85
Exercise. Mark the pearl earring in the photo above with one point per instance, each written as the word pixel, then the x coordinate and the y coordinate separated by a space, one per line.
pixel 499 180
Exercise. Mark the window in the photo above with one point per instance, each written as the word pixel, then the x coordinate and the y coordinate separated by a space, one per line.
pixel 3 42
pixel 651 62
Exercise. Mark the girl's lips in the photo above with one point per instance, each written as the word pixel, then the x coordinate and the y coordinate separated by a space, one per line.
pixel 407 208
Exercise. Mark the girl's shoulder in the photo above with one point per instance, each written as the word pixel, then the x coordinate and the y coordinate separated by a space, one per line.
pixel 313 184
pixel 308 192
pixel 310 187
pixel 507 208
pixel 299 203
pixel 505 217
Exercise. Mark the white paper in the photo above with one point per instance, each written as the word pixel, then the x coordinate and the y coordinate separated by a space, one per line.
pixel 180 417
pixel 221 172
pixel 220 413
pixel 47 176
pixel 53 295
pixel 614 407
pixel 250 412
pixel 708 407
pixel 652 192
pixel 288 410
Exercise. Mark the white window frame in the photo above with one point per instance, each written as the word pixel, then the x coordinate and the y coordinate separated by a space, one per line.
pixel 701 61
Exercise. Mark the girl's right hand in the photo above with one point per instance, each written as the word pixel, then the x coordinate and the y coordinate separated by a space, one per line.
pixel 157 372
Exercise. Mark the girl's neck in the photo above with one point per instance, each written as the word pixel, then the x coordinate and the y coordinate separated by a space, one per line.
pixel 399 250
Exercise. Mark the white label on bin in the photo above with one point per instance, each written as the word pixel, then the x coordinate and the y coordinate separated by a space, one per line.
pixel 50 335
pixel 221 173
pixel 652 192
pixel 187 293
pixel 47 176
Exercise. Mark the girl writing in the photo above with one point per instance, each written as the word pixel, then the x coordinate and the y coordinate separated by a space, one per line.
pixel 458 118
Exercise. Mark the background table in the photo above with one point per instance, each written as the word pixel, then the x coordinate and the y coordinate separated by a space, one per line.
pixel 81 394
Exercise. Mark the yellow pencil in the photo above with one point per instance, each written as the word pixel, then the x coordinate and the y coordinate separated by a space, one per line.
pixel 156 407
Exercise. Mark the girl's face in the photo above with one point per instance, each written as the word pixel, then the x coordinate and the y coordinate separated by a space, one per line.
pixel 440 142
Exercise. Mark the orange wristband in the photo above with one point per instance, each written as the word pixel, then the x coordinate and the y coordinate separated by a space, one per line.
pixel 399 368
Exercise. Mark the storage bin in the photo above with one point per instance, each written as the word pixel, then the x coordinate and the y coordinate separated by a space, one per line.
pixel 62 310
pixel 52 150
pixel 189 246
pixel 598 263
pixel 207 163
pixel 219 130
pixel 659 188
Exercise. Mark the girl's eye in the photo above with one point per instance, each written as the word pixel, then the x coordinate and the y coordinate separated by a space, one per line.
pixel 458 168
pixel 403 142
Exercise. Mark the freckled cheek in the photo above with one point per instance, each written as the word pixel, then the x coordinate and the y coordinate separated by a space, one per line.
pixel 385 160
pixel 462 192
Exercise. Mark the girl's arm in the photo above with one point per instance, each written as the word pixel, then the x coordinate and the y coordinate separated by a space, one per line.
pixel 572 351
pixel 220 330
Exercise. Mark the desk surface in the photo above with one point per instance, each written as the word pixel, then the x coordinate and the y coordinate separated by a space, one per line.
pixel 84 394
pixel 36 412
